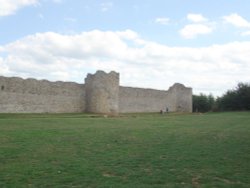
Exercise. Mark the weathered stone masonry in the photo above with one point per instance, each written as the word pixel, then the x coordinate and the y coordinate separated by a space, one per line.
pixel 101 93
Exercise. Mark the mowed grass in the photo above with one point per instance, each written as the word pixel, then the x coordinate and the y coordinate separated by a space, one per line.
pixel 138 150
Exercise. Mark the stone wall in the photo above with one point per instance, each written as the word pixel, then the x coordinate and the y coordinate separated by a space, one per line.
pixel 177 98
pixel 181 98
pixel 33 96
pixel 102 92
pixel 141 100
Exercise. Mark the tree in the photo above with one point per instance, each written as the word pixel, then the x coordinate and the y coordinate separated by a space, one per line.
pixel 203 103
pixel 235 99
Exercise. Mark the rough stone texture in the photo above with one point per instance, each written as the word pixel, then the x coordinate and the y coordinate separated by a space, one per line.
pixel 177 98
pixel 102 92
pixel 141 100
pixel 34 96
pixel 181 98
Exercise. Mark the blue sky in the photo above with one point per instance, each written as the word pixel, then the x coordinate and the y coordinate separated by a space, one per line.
pixel 152 43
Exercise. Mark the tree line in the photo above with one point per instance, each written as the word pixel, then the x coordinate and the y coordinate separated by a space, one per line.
pixel 237 99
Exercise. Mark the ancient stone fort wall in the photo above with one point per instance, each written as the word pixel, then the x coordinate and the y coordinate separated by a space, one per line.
pixel 101 93
pixel 32 96
pixel 177 98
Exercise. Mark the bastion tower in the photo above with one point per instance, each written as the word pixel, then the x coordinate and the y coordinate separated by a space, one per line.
pixel 102 92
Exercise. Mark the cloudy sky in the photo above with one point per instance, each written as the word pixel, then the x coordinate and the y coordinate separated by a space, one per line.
pixel 151 43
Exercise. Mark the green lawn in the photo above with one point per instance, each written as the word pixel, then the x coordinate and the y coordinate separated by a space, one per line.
pixel 138 150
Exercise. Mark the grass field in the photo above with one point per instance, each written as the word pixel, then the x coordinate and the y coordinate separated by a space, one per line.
pixel 147 150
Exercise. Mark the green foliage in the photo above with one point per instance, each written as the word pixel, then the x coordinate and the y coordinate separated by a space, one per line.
pixel 203 103
pixel 154 150
pixel 236 99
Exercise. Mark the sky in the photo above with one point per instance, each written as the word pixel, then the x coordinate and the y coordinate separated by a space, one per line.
pixel 151 43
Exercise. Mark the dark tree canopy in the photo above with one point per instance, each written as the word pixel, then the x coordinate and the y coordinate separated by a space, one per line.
pixel 233 100
pixel 203 103
pixel 236 99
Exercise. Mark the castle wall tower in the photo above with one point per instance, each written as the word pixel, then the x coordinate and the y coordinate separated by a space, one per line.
pixel 102 92
pixel 181 98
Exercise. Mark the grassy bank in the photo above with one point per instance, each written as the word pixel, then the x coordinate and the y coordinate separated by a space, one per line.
pixel 79 150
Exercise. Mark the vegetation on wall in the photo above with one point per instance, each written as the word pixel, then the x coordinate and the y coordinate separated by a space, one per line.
pixel 237 99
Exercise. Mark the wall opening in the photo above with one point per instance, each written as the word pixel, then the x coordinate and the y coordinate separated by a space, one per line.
pixel 2 88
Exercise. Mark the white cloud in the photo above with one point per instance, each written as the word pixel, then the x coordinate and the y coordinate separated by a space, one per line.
pixel 141 63
pixel 200 26
pixel 191 31
pixel 246 33
pixel 237 21
pixel 162 21
pixel 57 1
pixel 3 66
pixel 196 18
pixel 9 7
pixel 106 6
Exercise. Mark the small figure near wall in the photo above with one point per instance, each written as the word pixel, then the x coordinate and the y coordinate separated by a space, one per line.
pixel 163 112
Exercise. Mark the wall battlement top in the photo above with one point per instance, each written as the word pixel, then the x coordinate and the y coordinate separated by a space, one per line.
pixel 20 79
pixel 178 86
pixel 101 74
pixel 98 73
